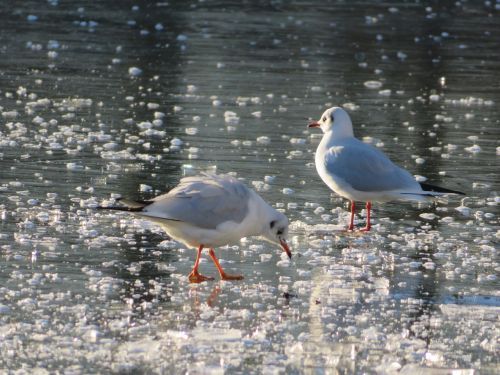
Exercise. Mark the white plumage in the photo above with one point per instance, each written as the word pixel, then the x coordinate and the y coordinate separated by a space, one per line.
pixel 360 172
pixel 209 211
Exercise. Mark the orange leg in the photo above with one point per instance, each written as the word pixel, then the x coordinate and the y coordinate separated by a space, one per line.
pixel 195 276
pixel 368 223
pixel 353 207
pixel 223 275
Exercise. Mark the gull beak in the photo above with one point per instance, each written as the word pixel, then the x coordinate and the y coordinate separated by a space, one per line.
pixel 314 124
pixel 286 249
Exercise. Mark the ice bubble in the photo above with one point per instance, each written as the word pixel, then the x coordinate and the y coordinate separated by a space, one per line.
pixel 55 146
pixel 287 191
pixel 231 118
pixel 474 149
pixel 386 92
pixel 297 141
pixel 295 154
pixel 134 71
pixel 464 210
pixel 74 166
pixel 176 142
pixel 429 265
pixel 451 147
pixel 401 55
pixel 350 106
pixel 261 186
pixel 10 114
pixel 373 84
pixel 4 309
pixel 434 97
pixel 264 140
pixel 283 263
pixel 144 125
pixel 319 210
pixel 265 257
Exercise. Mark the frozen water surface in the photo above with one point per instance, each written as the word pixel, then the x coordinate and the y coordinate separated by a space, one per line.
pixel 101 100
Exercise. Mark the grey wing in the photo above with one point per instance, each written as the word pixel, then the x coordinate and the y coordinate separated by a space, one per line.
pixel 204 201
pixel 367 169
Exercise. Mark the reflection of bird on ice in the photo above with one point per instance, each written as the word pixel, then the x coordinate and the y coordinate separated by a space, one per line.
pixel 319 348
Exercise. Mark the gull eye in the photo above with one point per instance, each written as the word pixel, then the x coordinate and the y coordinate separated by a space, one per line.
pixel 280 232
pixel 323 119
pixel 272 224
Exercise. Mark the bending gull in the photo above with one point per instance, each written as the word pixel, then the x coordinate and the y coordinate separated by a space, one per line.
pixel 212 210
pixel 360 172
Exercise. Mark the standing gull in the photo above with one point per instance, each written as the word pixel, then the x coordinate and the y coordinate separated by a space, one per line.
pixel 212 210
pixel 360 172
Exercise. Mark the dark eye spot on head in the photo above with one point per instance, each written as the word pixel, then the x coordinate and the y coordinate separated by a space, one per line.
pixel 279 232
pixel 323 119
pixel 272 224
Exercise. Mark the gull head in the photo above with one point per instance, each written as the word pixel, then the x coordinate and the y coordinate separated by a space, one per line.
pixel 336 120
pixel 276 231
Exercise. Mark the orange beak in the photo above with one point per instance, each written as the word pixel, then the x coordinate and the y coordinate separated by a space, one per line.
pixel 314 124
pixel 286 249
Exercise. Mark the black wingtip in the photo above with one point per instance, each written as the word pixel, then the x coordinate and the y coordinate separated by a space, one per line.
pixel 438 189
pixel 125 209
pixel 126 205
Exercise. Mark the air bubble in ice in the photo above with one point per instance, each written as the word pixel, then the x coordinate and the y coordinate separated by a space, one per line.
pixel 134 71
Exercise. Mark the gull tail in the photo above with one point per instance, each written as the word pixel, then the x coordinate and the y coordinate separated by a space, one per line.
pixel 128 205
pixel 138 208
pixel 436 190
pixel 429 192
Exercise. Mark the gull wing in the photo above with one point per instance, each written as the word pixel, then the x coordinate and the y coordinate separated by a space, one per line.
pixel 203 201
pixel 367 169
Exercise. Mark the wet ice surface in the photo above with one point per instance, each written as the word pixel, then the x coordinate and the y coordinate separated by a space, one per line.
pixel 98 103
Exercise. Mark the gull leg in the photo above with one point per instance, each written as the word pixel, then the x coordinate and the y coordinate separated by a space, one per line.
pixel 368 223
pixel 223 275
pixel 353 207
pixel 195 276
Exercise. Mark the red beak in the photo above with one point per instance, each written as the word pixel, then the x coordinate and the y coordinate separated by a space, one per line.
pixel 286 249
pixel 314 124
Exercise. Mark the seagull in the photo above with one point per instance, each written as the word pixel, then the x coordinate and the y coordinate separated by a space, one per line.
pixel 360 172
pixel 211 210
